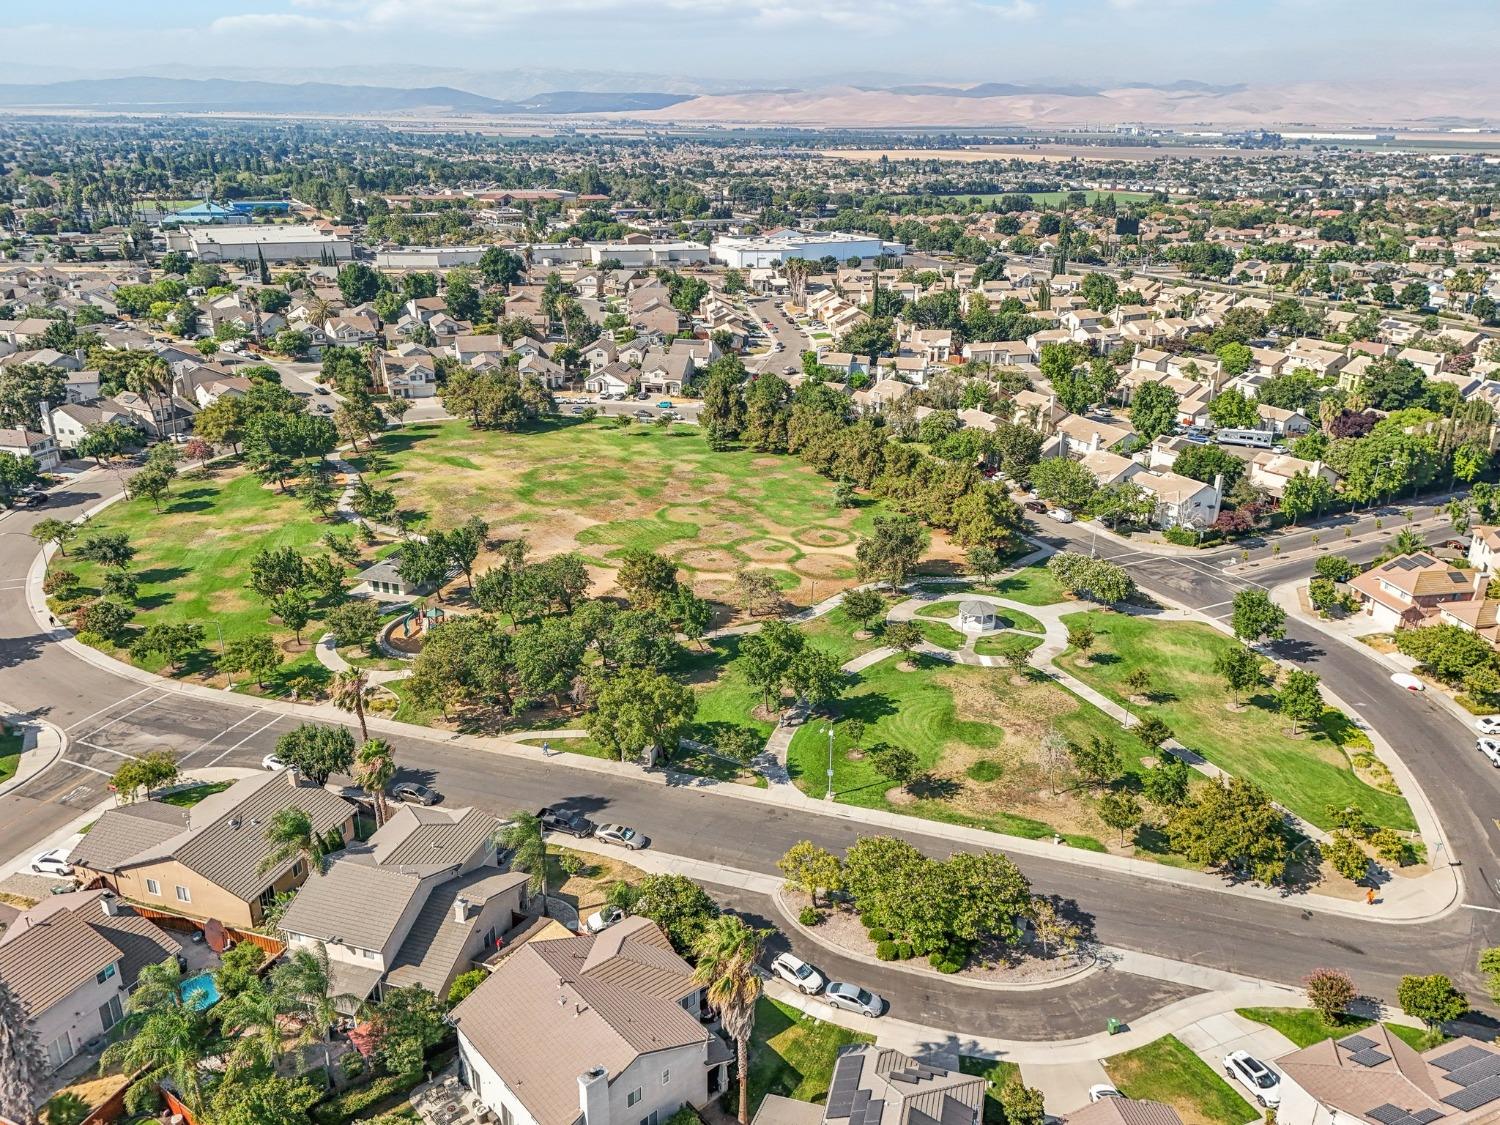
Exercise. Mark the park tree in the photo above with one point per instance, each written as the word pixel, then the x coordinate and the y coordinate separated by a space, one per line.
pixel 898 763
pixel 1096 579
pixel 1434 999
pixel 104 617
pixel 107 548
pixel 149 772
pixel 173 643
pixel 646 577
pixel 636 709
pixel 1119 810
pixel 1343 853
pixel 54 531
pixel 1152 732
pixel 1096 761
pixel 256 656
pixel 1053 929
pixel 892 549
pixel 354 623
pixel 1233 826
pixel 1239 668
pixel 985 517
pixel 756 591
pixel 983 561
pixel 1256 618
pixel 1081 637
pixel 1166 783
pixel 1064 482
pixel 810 868
pixel 1330 991
pixel 863 606
pixel 1299 698
pixel 317 752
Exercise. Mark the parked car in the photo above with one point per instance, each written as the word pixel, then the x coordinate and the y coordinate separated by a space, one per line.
pixel 1490 748
pixel 643 396
pixel 54 862
pixel 644 415
pixel 576 410
pixel 1103 1090
pixel 272 762
pixel 320 390
pixel 1263 1083
pixel 664 405
pixel 622 835
pixel 1408 681
pixel 1035 506
pixel 798 973
pixel 603 919
pixel 560 820
pixel 414 793
pixel 852 998
pixel 1061 515
pixel 31 500
pixel 1488 724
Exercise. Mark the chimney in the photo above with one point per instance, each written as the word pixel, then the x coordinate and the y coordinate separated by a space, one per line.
pixel 110 904
pixel 593 1096
pixel 294 777
pixel 1481 586
pixel 1219 487
pixel 460 910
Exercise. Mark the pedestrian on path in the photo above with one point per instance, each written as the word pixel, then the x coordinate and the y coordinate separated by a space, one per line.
pixel 1370 897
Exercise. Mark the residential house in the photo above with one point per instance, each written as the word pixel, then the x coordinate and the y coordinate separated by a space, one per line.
pixel 1484 546
pixel 1428 363
pixel 611 379
pixel 351 329
pixel 418 903
pixel 1407 591
pixel 1181 501
pixel 72 961
pixel 602 1029
pixel 205 861
pixel 1374 1077
pixel 41 448
pixel 1077 435
pixel 1271 471
pixel 874 399
pixel 1282 422
pixel 409 372
pixel 665 374
pixel 874 1085
pixel 71 422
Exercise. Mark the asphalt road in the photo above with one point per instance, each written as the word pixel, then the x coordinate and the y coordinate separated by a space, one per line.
pixel 782 331
pixel 108 717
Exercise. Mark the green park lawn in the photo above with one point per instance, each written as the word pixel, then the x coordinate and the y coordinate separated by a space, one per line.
pixel 1031 585
pixel 590 486
pixel 792 1054
pixel 193 559
pixel 996 1074
pixel 1002 643
pixel 950 717
pixel 1166 1071
pixel 944 636
pixel 947 609
pixel 1305 1026
pixel 1308 773
pixel 10 752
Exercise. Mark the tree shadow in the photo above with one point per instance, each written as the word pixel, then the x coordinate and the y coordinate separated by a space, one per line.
pixel 867 708
pixel 933 788
pixel 1296 649
pixel 157 575
pixel 183 507
pixel 1103 659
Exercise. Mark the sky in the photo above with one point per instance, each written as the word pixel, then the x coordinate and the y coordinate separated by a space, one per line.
pixel 803 43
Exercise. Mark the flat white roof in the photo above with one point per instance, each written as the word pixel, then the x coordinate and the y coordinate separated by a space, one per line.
pixel 254 234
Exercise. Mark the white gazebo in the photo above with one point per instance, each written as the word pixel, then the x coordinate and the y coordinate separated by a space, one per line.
pixel 975 616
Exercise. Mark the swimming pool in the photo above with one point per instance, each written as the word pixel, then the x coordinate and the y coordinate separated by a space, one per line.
pixel 199 991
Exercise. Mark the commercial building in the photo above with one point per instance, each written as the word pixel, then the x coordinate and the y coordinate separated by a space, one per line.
pixel 776 247
pixel 289 243
pixel 428 257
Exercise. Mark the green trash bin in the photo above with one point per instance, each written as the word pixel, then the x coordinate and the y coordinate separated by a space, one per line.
pixel 1114 1026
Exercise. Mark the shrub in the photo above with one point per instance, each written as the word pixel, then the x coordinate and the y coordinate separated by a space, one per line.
pixel 572 864
pixel 950 966
pixel 867 919
pixel 1392 847
pixel 886 950
pixel 810 916
pixel 352 1103
pixel 1180 536
pixel 59 582
pixel 879 934
pixel 352 1064
pixel 904 951
pixel 937 957
pixel 986 769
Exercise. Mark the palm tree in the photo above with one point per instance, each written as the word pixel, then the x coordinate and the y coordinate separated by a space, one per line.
pixel 350 690
pixel 163 1034
pixel 252 1017
pixel 727 951
pixel 23 1068
pixel 304 987
pixel 1407 542
pixel 291 835
pixel 524 837
pixel 373 769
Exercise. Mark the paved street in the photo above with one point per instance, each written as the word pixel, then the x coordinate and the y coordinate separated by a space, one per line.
pixel 782 331
pixel 108 716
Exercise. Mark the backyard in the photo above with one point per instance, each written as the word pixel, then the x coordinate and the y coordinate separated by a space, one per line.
pixel 976 737
pixel 792 1054
pixel 589 486
pixel 1309 773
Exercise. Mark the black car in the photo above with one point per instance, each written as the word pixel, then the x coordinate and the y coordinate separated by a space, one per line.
pixel 560 820
pixel 31 499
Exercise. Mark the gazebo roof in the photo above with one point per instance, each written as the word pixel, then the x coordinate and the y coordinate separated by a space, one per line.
pixel 973 607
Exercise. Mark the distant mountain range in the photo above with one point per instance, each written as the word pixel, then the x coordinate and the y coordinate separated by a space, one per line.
pixel 221 95
pixel 1009 90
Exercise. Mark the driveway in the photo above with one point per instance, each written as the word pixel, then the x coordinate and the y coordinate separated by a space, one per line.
pixel 1214 1037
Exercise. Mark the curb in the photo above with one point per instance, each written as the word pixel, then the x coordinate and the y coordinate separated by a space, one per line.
pixel 790 917
pixel 47 740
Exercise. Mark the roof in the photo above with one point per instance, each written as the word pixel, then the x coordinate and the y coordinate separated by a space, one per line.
pixel 552 1009
pixel 1124 1111
pixel 1418 574
pixel 44 962
pixel 352 904
pixel 427 839
pixel 880 1086
pixel 223 840
pixel 433 946
pixel 127 831
pixel 777 1110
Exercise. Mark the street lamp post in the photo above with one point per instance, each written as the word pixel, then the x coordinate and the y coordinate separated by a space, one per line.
pixel 220 630
pixel 828 795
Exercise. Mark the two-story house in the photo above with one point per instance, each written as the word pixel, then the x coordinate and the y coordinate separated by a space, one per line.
pixel 593 1030
pixel 1407 591
pixel 880 1084
pixel 417 904
pixel 72 961
pixel 206 861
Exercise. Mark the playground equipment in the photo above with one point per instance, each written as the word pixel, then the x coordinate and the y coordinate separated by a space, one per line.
pixel 422 619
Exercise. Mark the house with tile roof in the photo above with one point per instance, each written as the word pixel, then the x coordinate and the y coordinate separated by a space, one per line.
pixel 1409 590
pixel 875 1085
pixel 72 960
pixel 599 1029
pixel 418 903
pixel 206 861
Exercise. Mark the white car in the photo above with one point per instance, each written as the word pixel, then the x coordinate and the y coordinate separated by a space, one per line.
pixel 54 862
pixel 1061 515
pixel 1488 724
pixel 1490 748
pixel 852 998
pixel 619 834
pixel 1263 1083
pixel 272 762
pixel 1103 1090
pixel 798 973
pixel 603 919
pixel 1408 681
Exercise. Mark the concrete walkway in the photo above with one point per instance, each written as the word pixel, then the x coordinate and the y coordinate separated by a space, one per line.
pixel 330 658
pixel 42 743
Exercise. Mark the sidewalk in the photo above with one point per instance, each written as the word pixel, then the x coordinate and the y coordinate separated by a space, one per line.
pixel 42 743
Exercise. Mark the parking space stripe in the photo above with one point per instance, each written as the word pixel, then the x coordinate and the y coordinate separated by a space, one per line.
pixel 116 703
pixel 244 740
pixel 91 769
pixel 106 749
pixel 97 731
pixel 238 722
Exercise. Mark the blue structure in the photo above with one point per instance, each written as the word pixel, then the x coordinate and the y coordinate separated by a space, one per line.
pixel 208 212
pixel 268 206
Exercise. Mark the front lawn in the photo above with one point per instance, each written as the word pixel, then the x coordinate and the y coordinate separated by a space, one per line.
pixel 792 1054
pixel 187 798
pixel 1166 1071
pixel 1308 773
pixel 952 717
pixel 1305 1026
pixel 10 752
pixel 996 1074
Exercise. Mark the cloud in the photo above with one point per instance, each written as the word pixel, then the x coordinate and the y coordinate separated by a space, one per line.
pixel 258 23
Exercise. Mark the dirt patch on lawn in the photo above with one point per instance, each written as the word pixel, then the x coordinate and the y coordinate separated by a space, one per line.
pixel 822 566
pixel 717 560
pixel 768 550
pixel 821 536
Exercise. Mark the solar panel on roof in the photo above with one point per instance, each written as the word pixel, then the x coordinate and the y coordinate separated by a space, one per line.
pixel 1426 1116
pixel 1486 1067
pixel 1388 1114
pixel 846 1072
pixel 1453 1060
pixel 1470 1097
pixel 1369 1057
pixel 1356 1043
